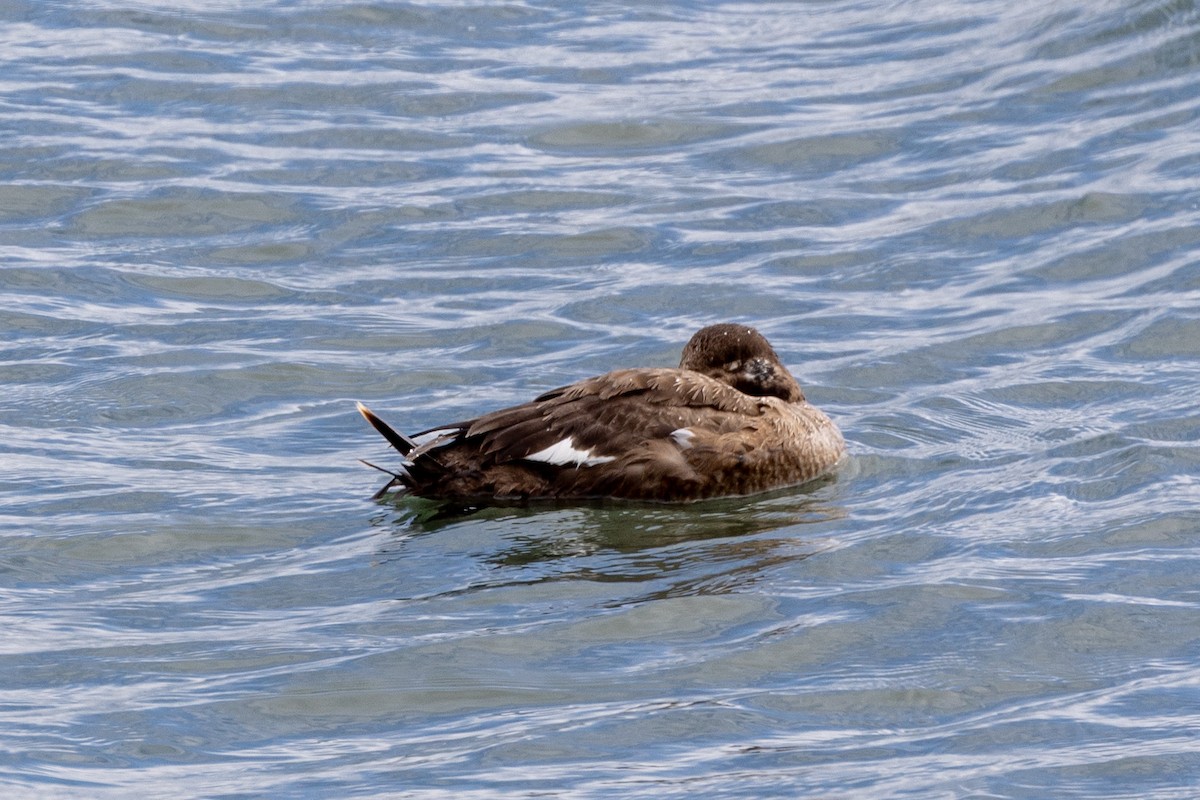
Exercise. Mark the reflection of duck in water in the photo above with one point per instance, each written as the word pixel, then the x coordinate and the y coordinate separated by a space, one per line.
pixel 730 421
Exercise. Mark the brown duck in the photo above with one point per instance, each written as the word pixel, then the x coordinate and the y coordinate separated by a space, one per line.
pixel 731 420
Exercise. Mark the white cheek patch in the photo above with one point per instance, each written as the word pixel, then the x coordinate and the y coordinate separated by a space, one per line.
pixel 564 453
pixel 683 437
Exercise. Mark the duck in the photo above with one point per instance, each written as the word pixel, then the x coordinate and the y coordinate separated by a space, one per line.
pixel 731 420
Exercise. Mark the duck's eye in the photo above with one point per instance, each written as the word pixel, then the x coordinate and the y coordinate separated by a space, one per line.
pixel 733 366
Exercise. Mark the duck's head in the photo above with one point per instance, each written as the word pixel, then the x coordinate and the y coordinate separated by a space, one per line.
pixel 741 357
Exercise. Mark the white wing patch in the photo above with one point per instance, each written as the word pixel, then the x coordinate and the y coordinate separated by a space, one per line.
pixel 564 453
pixel 683 437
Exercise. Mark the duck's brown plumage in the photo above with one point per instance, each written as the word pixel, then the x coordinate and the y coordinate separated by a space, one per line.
pixel 731 420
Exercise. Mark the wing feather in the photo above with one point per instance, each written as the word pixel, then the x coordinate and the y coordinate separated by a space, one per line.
pixel 610 415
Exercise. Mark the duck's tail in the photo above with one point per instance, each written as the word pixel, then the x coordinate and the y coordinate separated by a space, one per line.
pixel 396 439
pixel 399 479
pixel 420 466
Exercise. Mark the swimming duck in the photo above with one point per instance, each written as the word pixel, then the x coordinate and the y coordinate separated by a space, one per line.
pixel 731 420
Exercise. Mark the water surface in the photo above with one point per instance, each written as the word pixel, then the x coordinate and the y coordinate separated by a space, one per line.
pixel 972 228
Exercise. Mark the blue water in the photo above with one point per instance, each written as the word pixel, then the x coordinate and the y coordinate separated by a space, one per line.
pixel 972 228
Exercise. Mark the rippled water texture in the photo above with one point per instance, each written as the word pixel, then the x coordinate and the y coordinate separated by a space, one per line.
pixel 973 229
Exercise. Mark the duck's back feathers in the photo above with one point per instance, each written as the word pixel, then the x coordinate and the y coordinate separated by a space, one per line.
pixel 606 414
